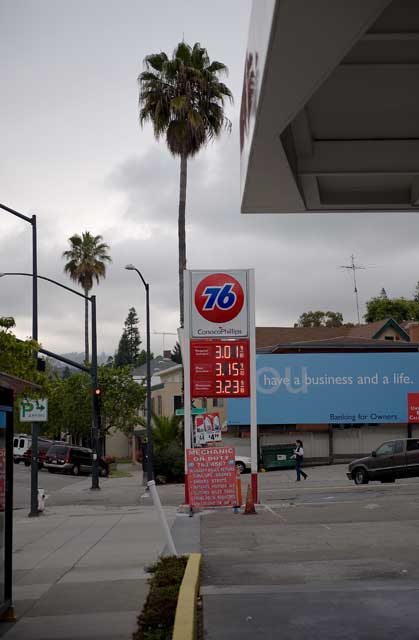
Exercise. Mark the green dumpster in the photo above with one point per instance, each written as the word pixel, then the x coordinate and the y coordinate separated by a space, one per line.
pixel 278 456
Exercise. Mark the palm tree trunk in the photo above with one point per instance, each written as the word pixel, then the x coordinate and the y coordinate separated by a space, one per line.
pixel 181 228
pixel 86 328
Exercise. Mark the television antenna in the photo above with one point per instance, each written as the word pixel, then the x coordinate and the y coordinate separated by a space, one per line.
pixel 164 334
pixel 354 268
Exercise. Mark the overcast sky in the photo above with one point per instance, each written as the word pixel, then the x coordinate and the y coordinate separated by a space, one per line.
pixel 73 153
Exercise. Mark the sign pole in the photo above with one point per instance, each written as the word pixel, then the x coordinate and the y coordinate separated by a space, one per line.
pixel 253 406
pixel 187 422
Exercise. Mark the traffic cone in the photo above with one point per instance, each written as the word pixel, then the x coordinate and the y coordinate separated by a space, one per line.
pixel 250 505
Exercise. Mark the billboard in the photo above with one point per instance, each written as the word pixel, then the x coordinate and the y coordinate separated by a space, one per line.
pixel 330 388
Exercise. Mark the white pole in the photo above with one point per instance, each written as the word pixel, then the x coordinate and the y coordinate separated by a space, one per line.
pixel 187 423
pixel 253 406
pixel 156 501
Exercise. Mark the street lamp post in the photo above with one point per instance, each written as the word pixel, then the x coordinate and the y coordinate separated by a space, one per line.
pixel 93 373
pixel 150 474
pixel 34 444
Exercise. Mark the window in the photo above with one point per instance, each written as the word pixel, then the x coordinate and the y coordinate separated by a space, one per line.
pixel 15 442
pixel 398 446
pixel 159 406
pixel 388 337
pixel 204 403
pixel 386 449
pixel 412 445
pixel 218 402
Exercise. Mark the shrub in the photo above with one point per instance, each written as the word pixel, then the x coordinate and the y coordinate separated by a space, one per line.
pixel 158 615
pixel 169 462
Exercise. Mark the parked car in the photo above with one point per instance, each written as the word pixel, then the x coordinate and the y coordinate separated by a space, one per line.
pixel 68 458
pixel 21 443
pixel 244 463
pixel 391 460
pixel 43 446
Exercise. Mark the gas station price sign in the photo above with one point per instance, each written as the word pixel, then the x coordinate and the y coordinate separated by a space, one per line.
pixel 220 368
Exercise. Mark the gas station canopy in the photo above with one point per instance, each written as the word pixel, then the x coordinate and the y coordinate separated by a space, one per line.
pixel 330 108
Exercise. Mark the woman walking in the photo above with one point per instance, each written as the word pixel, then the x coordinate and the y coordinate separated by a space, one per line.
pixel 299 457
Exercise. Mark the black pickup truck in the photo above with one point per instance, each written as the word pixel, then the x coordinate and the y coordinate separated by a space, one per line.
pixel 391 460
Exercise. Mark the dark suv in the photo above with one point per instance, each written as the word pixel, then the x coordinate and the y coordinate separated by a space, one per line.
pixel 43 446
pixel 391 460
pixel 72 459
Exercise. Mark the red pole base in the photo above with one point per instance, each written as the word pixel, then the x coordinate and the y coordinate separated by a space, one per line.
pixel 254 481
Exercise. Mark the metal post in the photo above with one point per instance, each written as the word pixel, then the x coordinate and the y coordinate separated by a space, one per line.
pixel 95 417
pixel 253 388
pixel 149 431
pixel 35 427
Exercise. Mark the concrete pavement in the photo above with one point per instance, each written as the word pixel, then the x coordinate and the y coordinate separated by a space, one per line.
pixel 79 569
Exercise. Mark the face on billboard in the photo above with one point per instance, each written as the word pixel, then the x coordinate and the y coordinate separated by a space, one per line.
pixel 219 302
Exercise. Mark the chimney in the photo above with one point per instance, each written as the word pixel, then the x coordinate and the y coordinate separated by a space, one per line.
pixel 413 331
pixel 167 354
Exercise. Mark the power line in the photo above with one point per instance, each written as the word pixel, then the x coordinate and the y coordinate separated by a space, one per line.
pixel 354 268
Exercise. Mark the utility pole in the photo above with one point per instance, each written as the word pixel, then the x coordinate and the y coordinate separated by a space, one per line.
pixel 354 268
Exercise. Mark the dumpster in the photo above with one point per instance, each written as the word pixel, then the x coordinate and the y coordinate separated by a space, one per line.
pixel 278 456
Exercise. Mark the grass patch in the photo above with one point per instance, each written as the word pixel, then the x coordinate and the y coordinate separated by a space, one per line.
pixel 116 473
pixel 156 620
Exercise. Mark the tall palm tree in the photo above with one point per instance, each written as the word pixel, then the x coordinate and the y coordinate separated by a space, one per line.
pixel 87 258
pixel 183 99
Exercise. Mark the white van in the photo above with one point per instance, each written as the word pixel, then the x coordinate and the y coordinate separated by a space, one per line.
pixel 21 443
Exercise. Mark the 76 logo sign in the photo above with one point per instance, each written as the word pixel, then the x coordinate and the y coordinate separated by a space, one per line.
pixel 219 298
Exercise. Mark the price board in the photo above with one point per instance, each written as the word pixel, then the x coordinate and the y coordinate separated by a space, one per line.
pixel 220 368
pixel 212 477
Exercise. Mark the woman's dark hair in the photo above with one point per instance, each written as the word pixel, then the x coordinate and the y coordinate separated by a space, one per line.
pixel 300 442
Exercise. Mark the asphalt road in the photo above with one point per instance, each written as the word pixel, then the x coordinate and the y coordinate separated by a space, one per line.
pixel 321 559
pixel 52 483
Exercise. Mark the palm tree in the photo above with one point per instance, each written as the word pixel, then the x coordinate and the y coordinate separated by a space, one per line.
pixel 184 100
pixel 165 430
pixel 87 260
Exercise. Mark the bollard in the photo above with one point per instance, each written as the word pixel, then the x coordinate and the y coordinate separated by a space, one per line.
pixel 41 500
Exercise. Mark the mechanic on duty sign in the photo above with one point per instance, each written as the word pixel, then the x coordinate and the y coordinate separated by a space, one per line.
pixel 219 304
pixel 211 477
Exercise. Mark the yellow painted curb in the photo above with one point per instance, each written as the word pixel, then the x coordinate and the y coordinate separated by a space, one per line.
pixel 185 626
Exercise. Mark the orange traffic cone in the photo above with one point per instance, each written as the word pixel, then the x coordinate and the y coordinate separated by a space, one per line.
pixel 250 505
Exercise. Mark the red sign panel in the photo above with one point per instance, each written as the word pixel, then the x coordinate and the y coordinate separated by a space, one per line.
pixel 220 368
pixel 211 477
pixel 413 407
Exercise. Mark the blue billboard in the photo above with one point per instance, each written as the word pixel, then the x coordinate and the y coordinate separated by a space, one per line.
pixel 330 388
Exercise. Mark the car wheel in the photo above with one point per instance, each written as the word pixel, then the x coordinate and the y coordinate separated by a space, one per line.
pixel 76 470
pixel 16 461
pixel 27 463
pixel 241 466
pixel 360 476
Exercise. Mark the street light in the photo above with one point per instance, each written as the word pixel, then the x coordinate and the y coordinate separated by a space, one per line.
pixel 131 267
pixel 34 466
pixel 93 373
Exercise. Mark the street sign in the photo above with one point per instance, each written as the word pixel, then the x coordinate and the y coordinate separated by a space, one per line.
pixel 34 410
pixel 219 304
pixel 194 412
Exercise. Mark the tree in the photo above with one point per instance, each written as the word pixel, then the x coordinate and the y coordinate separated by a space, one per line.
pixel 320 319
pixel 129 344
pixel 399 309
pixel 121 399
pixel 17 356
pixel 176 354
pixel 416 292
pixel 87 259
pixel 383 293
pixel 183 99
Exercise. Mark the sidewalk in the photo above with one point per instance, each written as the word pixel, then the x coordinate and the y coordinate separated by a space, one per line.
pixel 79 570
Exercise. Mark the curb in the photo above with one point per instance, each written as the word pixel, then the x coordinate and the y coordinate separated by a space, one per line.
pixel 185 625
